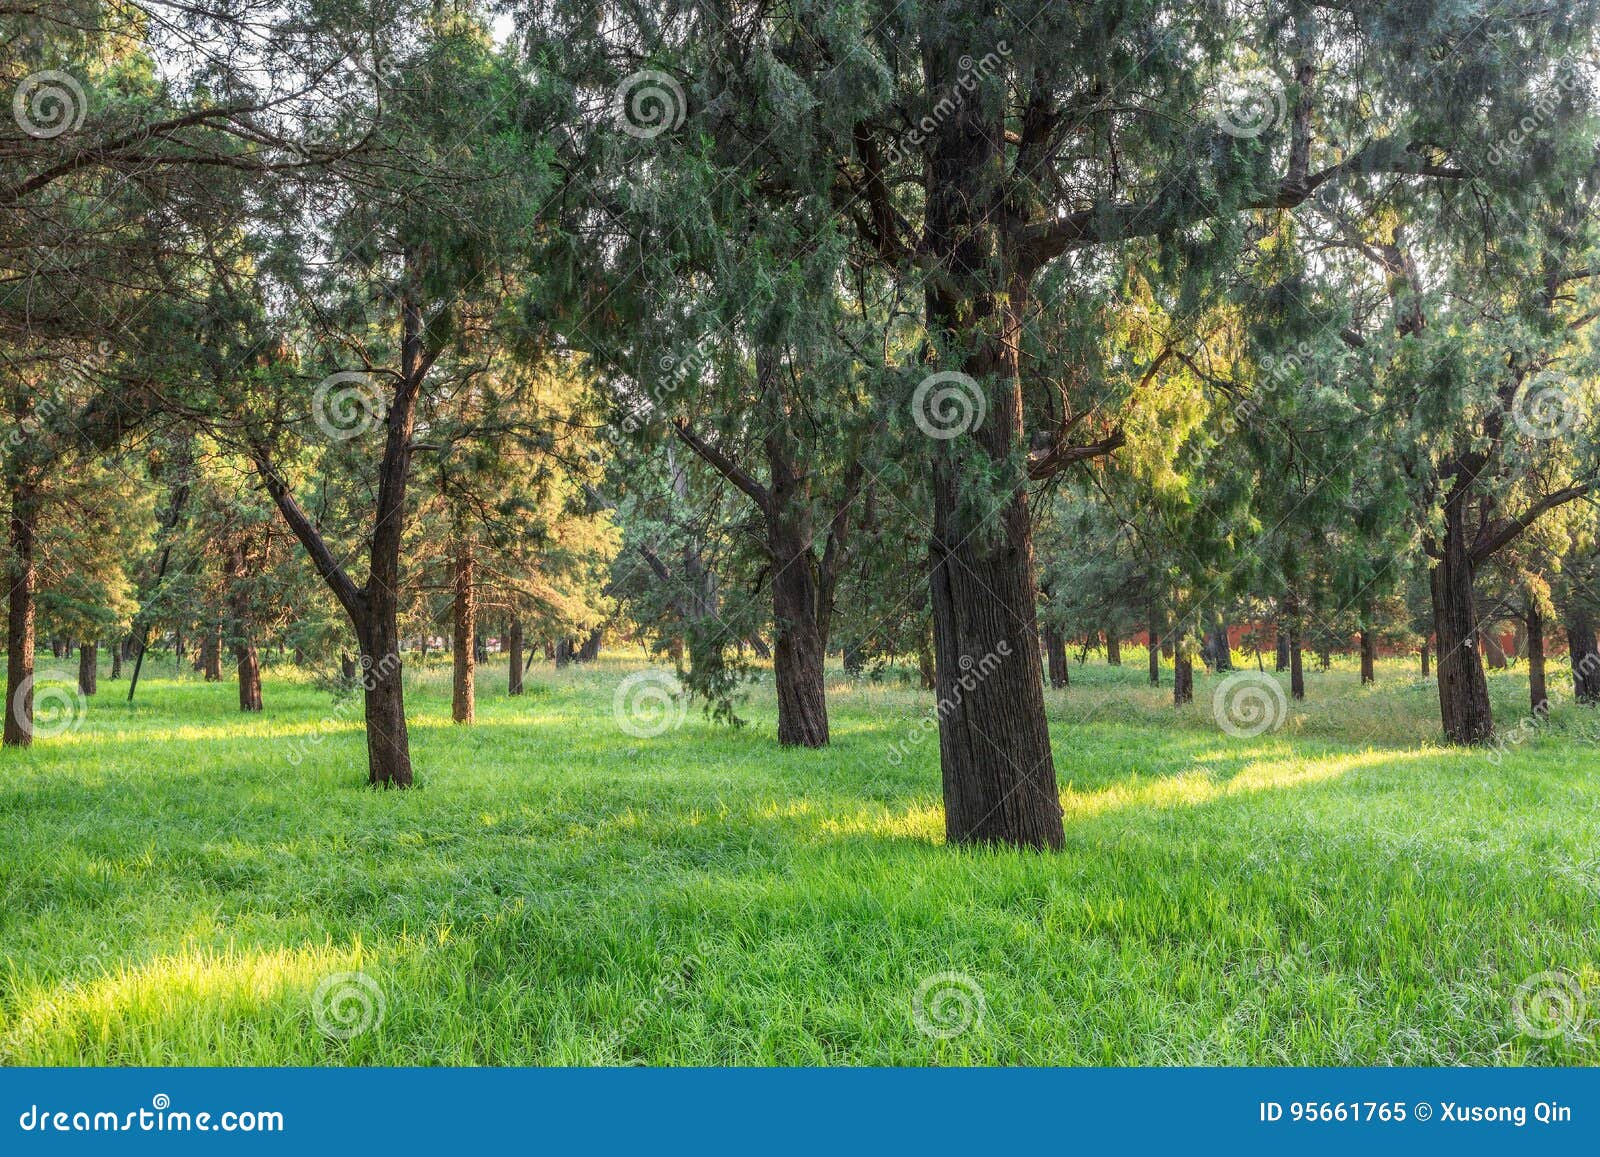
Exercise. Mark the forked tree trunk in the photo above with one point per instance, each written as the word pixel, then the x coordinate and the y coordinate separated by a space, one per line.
pixel 1369 655
pixel 1113 649
pixel 514 650
pixel 88 668
pixel 1583 655
pixel 19 615
pixel 1055 653
pixel 1463 691
pixel 464 627
pixel 1538 698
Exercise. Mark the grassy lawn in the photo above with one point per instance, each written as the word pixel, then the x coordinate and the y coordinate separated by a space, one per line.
pixel 176 882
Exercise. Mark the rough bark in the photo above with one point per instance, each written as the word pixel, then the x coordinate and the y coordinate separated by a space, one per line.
pixel 1583 655
pixel 464 627
pixel 1369 655
pixel 514 651
pixel 1282 659
pixel 800 610
pixel 248 664
pixel 88 668
pixel 1463 691
pixel 1182 672
pixel 116 662
pixel 1427 658
pixel 1113 649
pixel 19 615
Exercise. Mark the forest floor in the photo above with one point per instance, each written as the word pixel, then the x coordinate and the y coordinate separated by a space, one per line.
pixel 183 885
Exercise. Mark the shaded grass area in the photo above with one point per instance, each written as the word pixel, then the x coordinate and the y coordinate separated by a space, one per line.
pixel 177 881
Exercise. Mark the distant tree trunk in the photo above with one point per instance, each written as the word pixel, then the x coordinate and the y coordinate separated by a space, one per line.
pixel 590 651
pixel 1463 691
pixel 1538 699
pixel 1055 650
pixel 1182 671
pixel 1494 652
pixel 1282 633
pixel 1369 654
pixel 88 668
pixel 19 615
pixel 1153 627
pixel 347 668
pixel 1297 672
pixel 249 666
pixel 925 668
pixel 480 649
pixel 1324 657
pixel 563 652
pixel 116 662
pixel 759 646
pixel 211 651
pixel 58 647
pixel 1427 655
pixel 1581 653
pixel 1113 649
pixel 514 647
pixel 464 625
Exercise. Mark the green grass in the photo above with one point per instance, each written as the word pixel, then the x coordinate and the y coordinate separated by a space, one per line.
pixel 173 888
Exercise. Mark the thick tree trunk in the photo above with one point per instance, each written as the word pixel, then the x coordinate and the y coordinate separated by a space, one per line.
pixel 1582 654
pixel 1369 655
pixel 19 616
pixel 213 653
pixel 1113 649
pixel 514 649
pixel 1463 692
pixel 799 644
pixel 1538 698
pixel 464 626
pixel 88 668
pixel 1055 651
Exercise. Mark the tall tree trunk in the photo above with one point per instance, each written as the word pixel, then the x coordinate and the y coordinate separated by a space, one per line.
pixel 563 652
pixel 1427 656
pixel 1369 654
pixel 1297 669
pixel 88 668
pixel 464 627
pixel 1113 649
pixel 1581 653
pixel 514 648
pixel 1463 692
pixel 1538 698
pixel 116 662
pixel 1494 652
pixel 590 651
pixel 1282 639
pixel 212 652
pixel 1152 635
pixel 248 663
pixel 19 615
pixel 245 659
pixel 1055 650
